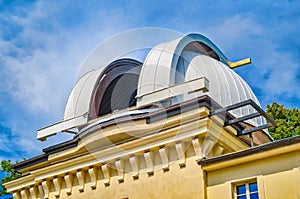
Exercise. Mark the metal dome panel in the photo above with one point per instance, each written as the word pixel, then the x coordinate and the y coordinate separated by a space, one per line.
pixel 191 57
pixel 225 86
pixel 178 70
pixel 159 68
pixel 78 103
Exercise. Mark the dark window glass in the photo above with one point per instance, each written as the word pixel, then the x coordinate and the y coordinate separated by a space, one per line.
pixel 254 196
pixel 253 187
pixel 241 189
pixel 242 197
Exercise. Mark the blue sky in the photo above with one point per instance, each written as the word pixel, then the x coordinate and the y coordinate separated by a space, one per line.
pixel 43 44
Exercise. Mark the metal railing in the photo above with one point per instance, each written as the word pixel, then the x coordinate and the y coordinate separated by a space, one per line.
pixel 259 113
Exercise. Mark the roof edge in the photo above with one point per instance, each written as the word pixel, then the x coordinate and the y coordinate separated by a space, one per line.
pixel 254 150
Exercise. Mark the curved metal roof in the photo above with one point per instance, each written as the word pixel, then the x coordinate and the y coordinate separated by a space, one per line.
pixel 225 86
pixel 81 99
pixel 190 57
pixel 170 63
pixel 185 59
pixel 160 65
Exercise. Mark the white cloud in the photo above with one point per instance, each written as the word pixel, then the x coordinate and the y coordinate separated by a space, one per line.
pixel 274 72
pixel 39 67
pixel 5 143
pixel 42 78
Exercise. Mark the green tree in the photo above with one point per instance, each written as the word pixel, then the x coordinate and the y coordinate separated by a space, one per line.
pixel 288 121
pixel 10 174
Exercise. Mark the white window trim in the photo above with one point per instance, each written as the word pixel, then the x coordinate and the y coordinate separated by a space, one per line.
pixel 244 182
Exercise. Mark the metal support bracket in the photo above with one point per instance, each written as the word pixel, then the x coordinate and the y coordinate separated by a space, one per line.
pixel 259 113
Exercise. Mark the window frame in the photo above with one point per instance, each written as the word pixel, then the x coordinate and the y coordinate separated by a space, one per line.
pixel 247 186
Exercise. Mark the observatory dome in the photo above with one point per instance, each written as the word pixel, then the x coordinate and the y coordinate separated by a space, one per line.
pixel 190 57
pixel 163 77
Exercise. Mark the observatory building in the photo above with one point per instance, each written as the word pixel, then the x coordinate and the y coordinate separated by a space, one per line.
pixel 180 124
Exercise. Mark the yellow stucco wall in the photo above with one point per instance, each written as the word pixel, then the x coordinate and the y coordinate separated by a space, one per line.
pixel 278 177
pixel 183 139
pixel 175 183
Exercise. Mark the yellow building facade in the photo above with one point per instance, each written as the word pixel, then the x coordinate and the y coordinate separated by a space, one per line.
pixel 274 167
pixel 160 163
pixel 197 133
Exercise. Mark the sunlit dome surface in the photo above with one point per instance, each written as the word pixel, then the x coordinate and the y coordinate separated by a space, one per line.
pixel 225 86
pixel 191 57
pixel 115 84
pixel 124 83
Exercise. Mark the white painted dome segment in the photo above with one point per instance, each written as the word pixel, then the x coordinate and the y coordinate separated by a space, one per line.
pixel 79 101
pixel 173 72
pixel 225 86
pixel 160 66
pixel 188 58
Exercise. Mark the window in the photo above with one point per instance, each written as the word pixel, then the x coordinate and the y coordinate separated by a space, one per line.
pixel 246 191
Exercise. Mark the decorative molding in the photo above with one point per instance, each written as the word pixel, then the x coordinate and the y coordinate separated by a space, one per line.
pixel 41 191
pixel 197 148
pixel 69 182
pixel 107 154
pixel 81 179
pixel 106 172
pixel 134 167
pixel 207 146
pixel 93 172
pixel 57 181
pixel 46 188
pixel 149 162
pixel 164 158
pixel 120 168
pixel 201 146
pixel 34 192
pixel 17 195
pixel 217 150
pixel 180 153
pixel 142 158
pixel 25 193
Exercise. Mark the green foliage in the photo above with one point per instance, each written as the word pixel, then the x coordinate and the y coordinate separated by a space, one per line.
pixel 288 121
pixel 10 174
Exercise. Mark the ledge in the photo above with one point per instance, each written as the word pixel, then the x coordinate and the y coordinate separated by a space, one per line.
pixel 32 161
pixel 232 158
pixel 202 101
